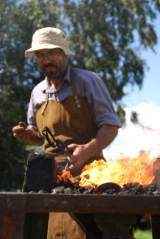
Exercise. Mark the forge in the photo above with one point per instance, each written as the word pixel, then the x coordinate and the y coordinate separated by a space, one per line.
pixel 114 207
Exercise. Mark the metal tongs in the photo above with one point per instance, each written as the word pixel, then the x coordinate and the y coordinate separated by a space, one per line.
pixel 62 147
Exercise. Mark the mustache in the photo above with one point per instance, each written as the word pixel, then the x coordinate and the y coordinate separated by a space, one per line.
pixel 49 65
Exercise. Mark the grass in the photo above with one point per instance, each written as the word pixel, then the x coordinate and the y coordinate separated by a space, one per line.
pixel 146 234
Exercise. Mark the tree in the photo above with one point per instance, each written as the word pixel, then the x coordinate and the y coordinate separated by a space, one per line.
pixel 18 76
pixel 107 37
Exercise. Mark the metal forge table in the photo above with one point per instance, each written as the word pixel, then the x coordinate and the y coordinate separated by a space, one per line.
pixel 114 213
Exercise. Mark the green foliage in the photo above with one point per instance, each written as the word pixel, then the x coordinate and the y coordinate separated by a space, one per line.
pixel 107 37
pixel 18 76
pixel 146 234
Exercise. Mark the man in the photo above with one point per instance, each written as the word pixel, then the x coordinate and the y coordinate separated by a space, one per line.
pixel 73 103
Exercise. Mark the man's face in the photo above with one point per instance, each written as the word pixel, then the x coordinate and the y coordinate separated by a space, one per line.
pixel 53 62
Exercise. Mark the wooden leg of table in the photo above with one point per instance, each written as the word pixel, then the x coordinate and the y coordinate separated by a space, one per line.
pixel 36 225
pixel 12 217
pixel 115 226
pixel 155 223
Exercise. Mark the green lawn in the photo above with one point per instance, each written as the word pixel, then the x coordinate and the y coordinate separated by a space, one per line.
pixel 147 234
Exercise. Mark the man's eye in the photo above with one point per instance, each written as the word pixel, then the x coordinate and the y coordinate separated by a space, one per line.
pixel 38 55
pixel 52 53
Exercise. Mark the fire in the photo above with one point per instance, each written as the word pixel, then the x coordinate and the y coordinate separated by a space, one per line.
pixel 121 171
pixel 65 177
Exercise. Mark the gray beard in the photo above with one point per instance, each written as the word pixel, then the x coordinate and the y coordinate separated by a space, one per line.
pixel 54 75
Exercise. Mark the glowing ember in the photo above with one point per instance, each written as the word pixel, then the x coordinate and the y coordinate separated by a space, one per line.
pixel 65 177
pixel 121 171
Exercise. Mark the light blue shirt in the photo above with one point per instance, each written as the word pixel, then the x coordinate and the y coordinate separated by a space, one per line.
pixel 87 84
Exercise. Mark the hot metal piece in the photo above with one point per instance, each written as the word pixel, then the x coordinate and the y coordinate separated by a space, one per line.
pixel 107 186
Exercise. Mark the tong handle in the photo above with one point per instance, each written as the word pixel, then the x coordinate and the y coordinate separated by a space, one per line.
pixel 62 147
pixel 46 133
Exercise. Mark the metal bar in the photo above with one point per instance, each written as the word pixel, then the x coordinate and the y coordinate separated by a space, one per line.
pixel 37 202
pixel 93 204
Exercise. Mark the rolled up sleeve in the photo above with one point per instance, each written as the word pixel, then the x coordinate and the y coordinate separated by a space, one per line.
pixel 102 106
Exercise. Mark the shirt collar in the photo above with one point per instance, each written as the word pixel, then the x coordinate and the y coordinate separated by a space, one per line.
pixel 67 75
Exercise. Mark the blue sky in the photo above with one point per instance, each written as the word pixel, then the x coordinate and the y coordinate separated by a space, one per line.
pixel 151 86
pixel 146 102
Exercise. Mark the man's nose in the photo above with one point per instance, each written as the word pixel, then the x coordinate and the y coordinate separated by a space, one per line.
pixel 46 60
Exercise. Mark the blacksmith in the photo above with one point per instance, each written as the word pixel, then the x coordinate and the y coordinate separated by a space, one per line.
pixel 75 105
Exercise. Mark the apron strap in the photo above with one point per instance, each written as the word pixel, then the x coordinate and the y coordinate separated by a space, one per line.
pixel 74 90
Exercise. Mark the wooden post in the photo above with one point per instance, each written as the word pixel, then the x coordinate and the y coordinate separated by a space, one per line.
pixel 12 208
pixel 116 226
pixel 155 222
pixel 36 225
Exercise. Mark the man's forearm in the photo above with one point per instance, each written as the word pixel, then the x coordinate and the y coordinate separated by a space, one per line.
pixel 104 137
pixel 32 137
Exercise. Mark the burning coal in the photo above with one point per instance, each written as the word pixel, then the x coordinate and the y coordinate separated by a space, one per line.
pixel 122 171
pixel 125 176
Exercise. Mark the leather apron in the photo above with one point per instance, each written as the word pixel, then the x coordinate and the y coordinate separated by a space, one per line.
pixel 71 121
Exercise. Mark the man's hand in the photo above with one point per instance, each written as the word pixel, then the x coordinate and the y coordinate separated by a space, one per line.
pixel 19 131
pixel 29 135
pixel 79 157
pixel 82 153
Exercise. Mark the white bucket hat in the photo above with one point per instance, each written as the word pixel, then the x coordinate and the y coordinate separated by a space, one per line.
pixel 48 38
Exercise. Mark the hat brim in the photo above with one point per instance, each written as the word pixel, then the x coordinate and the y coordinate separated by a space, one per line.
pixel 30 51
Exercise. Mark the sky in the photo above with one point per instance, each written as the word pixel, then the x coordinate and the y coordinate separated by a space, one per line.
pixel 146 102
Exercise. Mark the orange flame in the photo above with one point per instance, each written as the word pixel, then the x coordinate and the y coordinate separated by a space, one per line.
pixel 65 177
pixel 121 171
